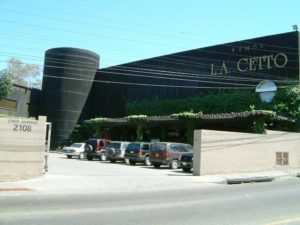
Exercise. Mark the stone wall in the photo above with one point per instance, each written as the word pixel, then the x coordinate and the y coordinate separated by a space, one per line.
pixel 232 152
pixel 22 148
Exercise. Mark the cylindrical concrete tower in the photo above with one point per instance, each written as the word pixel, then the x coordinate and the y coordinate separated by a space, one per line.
pixel 67 80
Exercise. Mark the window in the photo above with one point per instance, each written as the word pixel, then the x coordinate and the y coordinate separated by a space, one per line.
pixel 173 148
pixel 133 147
pixel 282 158
pixel 158 147
pixel 101 144
pixel 114 145
pixel 8 104
pixel 181 148
pixel 76 145
pixel 145 147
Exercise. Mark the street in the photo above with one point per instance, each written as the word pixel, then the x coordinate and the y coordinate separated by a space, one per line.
pixel 260 203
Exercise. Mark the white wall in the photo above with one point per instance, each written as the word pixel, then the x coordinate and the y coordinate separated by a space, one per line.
pixel 22 148
pixel 230 152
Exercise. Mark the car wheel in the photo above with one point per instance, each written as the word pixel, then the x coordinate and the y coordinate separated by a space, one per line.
pixel 156 165
pixel 110 153
pixel 90 157
pixel 186 170
pixel 132 162
pixel 81 155
pixel 103 157
pixel 69 156
pixel 147 161
pixel 174 165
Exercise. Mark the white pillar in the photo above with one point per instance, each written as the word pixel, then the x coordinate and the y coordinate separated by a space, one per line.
pixel 197 153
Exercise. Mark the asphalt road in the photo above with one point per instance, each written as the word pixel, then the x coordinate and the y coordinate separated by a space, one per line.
pixel 273 203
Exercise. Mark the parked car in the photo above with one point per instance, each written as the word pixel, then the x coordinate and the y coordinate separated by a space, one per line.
pixel 186 161
pixel 76 149
pixel 138 152
pixel 168 153
pixel 115 151
pixel 94 148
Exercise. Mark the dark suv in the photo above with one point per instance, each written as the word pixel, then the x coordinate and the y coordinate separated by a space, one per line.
pixel 138 152
pixel 168 153
pixel 186 161
pixel 94 148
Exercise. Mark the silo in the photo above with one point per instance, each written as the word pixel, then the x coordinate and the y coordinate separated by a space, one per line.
pixel 67 80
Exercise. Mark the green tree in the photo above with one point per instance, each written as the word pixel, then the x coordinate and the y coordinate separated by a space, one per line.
pixel 139 122
pixel 24 74
pixel 287 102
pixel 189 118
pixel 5 84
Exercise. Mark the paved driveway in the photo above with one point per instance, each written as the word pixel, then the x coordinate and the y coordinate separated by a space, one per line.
pixel 73 175
pixel 69 176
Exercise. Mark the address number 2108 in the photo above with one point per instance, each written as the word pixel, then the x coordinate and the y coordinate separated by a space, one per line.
pixel 21 127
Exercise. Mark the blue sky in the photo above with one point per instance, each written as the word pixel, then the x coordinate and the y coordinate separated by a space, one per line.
pixel 123 31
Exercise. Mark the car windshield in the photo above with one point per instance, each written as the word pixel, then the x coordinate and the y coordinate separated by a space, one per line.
pixel 179 148
pixel 76 145
pixel 189 148
pixel 114 145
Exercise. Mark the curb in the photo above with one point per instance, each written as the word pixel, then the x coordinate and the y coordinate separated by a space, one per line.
pixel 249 180
pixel 15 189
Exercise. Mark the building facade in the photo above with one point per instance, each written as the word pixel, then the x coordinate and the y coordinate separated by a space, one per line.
pixel 237 65
pixel 75 89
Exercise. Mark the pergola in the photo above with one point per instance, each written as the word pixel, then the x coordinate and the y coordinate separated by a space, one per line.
pixel 180 128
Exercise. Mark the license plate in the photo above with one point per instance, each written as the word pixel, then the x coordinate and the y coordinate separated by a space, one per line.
pixel 131 152
pixel 157 155
pixel 184 163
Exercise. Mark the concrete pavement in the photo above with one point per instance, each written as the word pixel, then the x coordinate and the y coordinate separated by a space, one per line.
pixel 76 176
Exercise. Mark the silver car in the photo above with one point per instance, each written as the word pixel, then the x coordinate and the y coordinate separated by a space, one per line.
pixel 76 149
pixel 115 151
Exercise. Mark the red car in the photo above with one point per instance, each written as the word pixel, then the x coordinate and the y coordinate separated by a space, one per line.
pixel 94 148
pixel 168 153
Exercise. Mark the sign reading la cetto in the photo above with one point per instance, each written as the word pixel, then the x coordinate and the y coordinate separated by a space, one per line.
pixel 250 64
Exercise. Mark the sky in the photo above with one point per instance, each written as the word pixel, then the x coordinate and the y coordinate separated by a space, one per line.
pixel 122 31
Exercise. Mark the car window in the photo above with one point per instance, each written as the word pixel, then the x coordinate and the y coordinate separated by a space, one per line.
pixel 181 148
pixel 189 148
pixel 133 147
pixel 114 145
pixel 158 147
pixel 101 143
pixel 174 148
pixel 145 147
pixel 76 145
